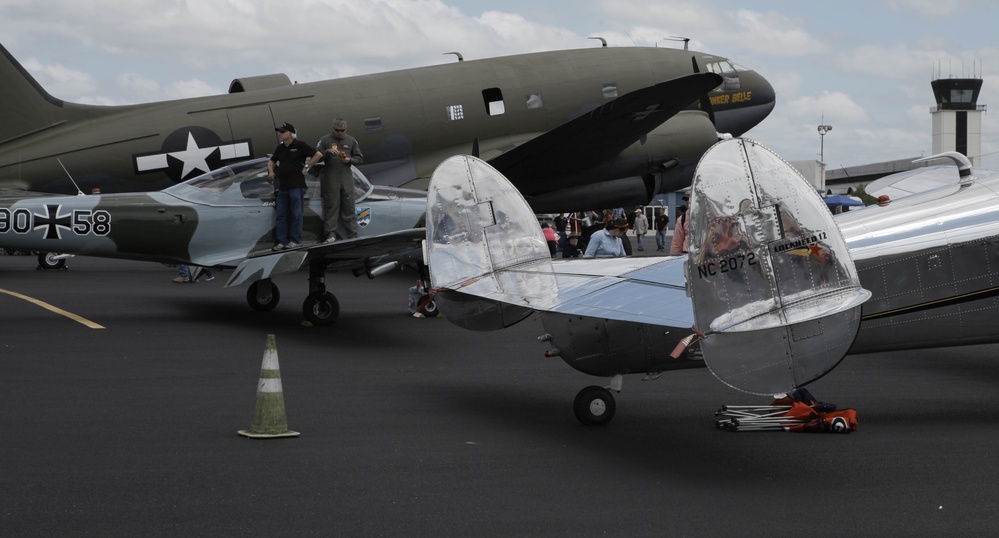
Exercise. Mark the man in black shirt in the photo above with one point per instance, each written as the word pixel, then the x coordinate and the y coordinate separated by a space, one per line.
pixel 662 228
pixel 288 165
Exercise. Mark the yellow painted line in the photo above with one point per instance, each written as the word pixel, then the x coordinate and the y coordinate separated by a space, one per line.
pixel 55 309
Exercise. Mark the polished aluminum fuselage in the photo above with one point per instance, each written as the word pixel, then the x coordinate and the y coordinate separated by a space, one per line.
pixel 931 261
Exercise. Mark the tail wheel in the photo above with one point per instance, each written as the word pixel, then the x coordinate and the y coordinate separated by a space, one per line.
pixel 594 406
pixel 48 260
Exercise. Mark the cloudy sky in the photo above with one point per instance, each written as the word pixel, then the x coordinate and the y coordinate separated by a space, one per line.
pixel 866 66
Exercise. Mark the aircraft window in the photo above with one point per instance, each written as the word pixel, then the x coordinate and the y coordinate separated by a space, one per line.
pixel 455 112
pixel 251 176
pixel 373 124
pixel 362 187
pixel 494 101
pixel 256 187
pixel 728 72
pixel 534 101
pixel 610 90
pixel 217 181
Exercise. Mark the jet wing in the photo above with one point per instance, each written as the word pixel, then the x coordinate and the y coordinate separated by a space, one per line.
pixel 603 132
pixel 398 245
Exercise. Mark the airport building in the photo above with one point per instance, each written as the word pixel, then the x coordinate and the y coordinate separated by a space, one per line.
pixel 957 126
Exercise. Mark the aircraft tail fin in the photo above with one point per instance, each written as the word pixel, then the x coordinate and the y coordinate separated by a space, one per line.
pixel 771 279
pixel 26 107
pixel 483 239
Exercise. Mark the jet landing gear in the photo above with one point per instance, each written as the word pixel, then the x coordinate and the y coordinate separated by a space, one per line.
pixel 594 405
pixel 321 308
pixel 52 260
pixel 263 295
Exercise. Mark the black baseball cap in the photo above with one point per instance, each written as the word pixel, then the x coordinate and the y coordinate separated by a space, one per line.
pixel 285 127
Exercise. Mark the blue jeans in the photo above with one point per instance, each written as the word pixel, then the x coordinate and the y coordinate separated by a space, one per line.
pixel 289 206
pixel 661 239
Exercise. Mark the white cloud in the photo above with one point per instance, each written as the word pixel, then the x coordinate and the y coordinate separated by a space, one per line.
pixel 836 107
pixel 60 80
pixel 927 8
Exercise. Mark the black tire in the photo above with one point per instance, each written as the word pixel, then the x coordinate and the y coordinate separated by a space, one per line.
pixel 260 300
pixel 429 306
pixel 594 406
pixel 321 308
pixel 46 261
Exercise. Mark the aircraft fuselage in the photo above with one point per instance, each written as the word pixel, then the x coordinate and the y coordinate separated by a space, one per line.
pixel 407 121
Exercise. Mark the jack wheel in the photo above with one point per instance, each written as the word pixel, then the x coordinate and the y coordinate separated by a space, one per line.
pixel 429 306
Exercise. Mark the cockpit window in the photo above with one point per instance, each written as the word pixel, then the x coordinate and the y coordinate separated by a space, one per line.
pixel 251 177
pixel 729 73
pixel 362 187
pixel 216 181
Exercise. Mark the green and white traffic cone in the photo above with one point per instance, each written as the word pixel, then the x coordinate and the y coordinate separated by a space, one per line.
pixel 269 420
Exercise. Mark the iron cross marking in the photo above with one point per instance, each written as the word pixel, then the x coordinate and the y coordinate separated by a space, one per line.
pixel 53 221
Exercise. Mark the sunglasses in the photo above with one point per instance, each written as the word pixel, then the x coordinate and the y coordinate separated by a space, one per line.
pixel 340 130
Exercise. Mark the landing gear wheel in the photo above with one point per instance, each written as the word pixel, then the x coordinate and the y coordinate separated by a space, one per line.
pixel 263 296
pixel 47 260
pixel 429 306
pixel 321 308
pixel 594 406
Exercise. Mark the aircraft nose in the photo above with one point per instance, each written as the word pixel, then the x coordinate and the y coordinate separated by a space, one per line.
pixel 759 105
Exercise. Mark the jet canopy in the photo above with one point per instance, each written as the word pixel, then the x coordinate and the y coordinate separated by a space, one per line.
pixel 248 180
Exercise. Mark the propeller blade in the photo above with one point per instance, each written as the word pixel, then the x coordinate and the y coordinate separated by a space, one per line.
pixel 705 99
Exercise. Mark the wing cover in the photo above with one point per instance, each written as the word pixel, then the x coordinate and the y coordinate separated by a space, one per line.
pixel 771 279
pixel 601 133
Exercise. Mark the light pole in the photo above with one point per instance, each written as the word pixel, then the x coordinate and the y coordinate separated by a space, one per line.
pixel 823 129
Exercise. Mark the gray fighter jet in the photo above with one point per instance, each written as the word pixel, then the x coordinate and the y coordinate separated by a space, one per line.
pixel 221 219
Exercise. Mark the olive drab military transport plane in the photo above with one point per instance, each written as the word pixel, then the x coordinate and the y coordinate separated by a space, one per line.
pixel 224 218
pixel 774 292
pixel 569 128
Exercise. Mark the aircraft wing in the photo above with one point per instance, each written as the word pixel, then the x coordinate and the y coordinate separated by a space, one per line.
pixel 603 132
pixel 400 245
pixel 914 181
pixel 483 241
pixel 643 290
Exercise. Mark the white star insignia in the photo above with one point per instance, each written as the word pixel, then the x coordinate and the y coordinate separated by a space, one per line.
pixel 194 158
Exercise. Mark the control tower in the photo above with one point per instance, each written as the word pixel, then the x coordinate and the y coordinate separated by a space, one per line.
pixel 957 118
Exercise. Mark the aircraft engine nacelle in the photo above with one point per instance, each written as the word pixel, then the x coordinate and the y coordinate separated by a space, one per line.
pixel 606 348
pixel 263 82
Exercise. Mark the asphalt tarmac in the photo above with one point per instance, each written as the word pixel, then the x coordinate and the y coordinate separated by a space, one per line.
pixel 414 427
